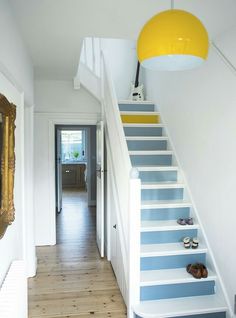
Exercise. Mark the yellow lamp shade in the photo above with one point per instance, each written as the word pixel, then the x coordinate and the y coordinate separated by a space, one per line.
pixel 173 40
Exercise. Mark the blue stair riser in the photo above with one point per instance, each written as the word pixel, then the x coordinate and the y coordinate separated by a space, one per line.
pixel 165 214
pixel 143 131
pixel 136 107
pixel 158 176
pixel 162 194
pixel 163 237
pixel 158 160
pixel 211 315
pixel 147 144
pixel 198 288
pixel 168 262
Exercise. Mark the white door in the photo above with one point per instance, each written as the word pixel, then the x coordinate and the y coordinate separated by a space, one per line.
pixel 59 172
pixel 100 188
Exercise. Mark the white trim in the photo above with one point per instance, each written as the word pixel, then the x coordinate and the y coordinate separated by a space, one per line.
pixel 30 251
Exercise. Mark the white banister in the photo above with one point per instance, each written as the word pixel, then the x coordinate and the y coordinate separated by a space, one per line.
pixel 127 187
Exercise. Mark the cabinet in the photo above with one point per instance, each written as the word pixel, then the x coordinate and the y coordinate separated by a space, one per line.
pixel 73 175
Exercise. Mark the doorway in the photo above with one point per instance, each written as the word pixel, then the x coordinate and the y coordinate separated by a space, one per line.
pixel 75 156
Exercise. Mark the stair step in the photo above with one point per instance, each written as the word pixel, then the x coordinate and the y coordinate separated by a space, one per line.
pixel 142 125
pixel 157 168
pixel 139 113
pixel 135 102
pixel 140 117
pixel 150 152
pixel 162 185
pixel 167 204
pixel 171 276
pixel 146 138
pixel 166 225
pixel 179 307
pixel 170 249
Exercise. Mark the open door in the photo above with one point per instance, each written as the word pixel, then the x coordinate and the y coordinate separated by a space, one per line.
pixel 100 188
pixel 58 171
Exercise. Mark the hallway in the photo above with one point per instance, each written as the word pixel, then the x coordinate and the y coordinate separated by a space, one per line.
pixel 72 281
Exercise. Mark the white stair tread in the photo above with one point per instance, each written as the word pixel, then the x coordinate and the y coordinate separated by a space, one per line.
pixel 158 138
pixel 178 307
pixel 170 249
pixel 142 125
pixel 151 112
pixel 136 102
pixel 157 168
pixel 171 276
pixel 166 225
pixel 150 152
pixel 164 204
pixel 162 185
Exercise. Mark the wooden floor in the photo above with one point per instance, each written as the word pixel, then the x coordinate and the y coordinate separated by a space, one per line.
pixel 72 281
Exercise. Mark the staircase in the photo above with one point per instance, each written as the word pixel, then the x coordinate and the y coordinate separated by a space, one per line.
pixel 166 289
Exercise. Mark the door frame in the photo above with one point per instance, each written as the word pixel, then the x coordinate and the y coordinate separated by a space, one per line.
pixel 71 119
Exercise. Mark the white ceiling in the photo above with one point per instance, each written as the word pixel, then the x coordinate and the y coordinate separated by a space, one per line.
pixel 53 29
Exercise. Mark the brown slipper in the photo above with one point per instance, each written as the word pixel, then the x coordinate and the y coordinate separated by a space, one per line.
pixel 204 271
pixel 194 270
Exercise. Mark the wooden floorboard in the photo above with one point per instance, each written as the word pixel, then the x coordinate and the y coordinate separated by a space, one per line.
pixel 72 280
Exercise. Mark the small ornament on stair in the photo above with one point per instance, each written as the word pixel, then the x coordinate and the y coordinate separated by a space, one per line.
pixel 136 93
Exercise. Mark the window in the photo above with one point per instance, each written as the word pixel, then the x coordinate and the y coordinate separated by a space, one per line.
pixel 73 145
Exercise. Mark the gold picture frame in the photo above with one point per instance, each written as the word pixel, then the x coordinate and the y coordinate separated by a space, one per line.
pixel 7 158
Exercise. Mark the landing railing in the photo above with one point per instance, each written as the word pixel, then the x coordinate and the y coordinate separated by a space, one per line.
pixel 127 188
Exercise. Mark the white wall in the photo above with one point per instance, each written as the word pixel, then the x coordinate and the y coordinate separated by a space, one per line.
pixel 60 96
pixel 14 60
pixel 199 108
pixel 56 103
pixel 122 58
pixel 16 83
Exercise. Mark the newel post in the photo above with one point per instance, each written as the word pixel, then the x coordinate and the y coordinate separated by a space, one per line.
pixel 134 241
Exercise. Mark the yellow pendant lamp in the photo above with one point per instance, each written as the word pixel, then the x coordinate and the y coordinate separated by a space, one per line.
pixel 173 40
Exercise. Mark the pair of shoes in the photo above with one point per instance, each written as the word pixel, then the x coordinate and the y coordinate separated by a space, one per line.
pixel 188 242
pixel 197 270
pixel 188 221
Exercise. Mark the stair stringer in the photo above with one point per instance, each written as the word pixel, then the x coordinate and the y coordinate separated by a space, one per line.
pixel 214 304
pixel 188 195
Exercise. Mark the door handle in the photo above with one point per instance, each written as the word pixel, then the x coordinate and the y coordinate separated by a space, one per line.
pixel 114 226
